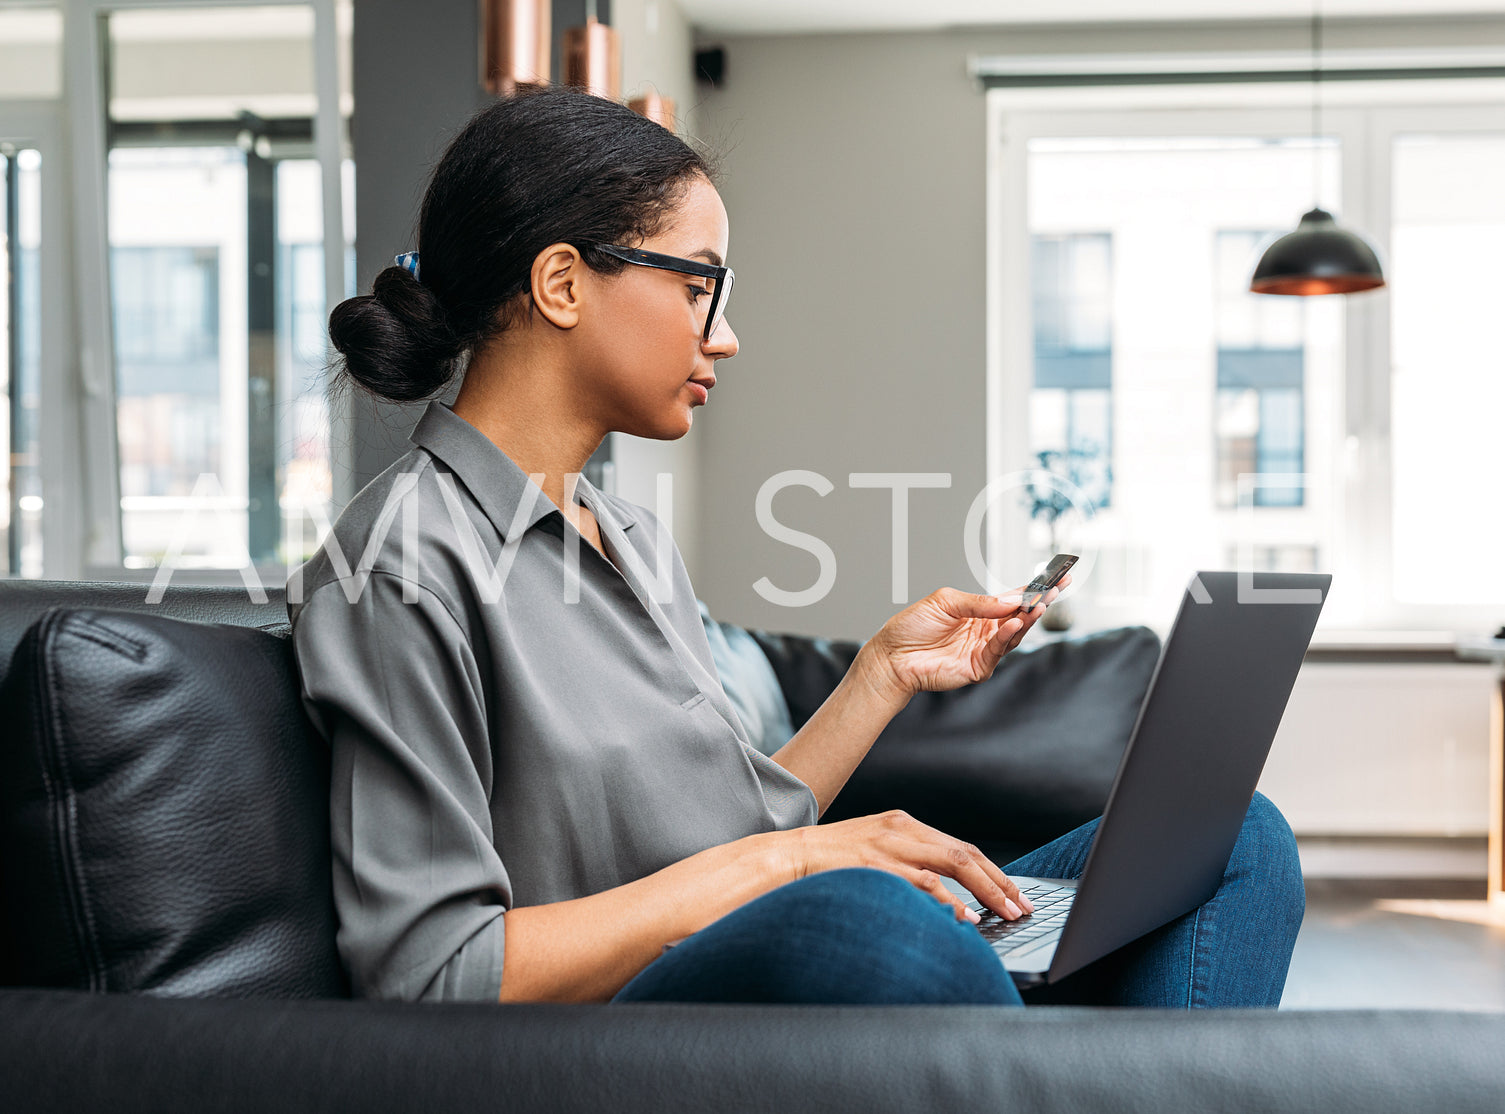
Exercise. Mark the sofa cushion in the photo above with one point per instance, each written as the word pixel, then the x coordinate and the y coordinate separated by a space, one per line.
pixel 23 602
pixel 1009 763
pixel 163 812
pixel 749 682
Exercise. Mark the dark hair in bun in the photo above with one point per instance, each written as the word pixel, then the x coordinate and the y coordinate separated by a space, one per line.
pixel 544 166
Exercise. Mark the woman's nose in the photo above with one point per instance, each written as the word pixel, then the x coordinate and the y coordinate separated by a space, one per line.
pixel 723 342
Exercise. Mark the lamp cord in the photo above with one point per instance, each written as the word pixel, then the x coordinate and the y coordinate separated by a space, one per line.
pixel 1317 100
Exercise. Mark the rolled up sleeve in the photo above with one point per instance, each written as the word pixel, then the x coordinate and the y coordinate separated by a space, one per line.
pixel 419 887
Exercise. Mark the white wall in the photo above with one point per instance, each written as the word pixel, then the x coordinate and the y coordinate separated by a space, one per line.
pixel 31 54
pixel 1385 749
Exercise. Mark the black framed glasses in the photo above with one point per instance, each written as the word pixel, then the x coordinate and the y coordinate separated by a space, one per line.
pixel 720 286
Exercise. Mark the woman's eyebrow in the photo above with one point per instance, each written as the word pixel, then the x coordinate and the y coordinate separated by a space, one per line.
pixel 711 257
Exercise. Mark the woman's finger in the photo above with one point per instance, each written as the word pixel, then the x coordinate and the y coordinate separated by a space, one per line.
pixel 1007 630
pixel 1014 598
pixel 1006 887
pixel 969 866
pixel 1003 639
pixel 967 605
pixel 929 882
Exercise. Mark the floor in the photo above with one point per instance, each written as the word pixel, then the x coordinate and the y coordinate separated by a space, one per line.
pixel 1376 943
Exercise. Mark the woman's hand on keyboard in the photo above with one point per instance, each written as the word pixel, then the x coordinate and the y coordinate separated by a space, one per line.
pixel 897 842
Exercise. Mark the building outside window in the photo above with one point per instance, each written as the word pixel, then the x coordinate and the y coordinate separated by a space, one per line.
pixel 167 351
pixel 1261 413
pixel 1071 407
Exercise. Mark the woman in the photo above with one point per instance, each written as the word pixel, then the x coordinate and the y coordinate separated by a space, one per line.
pixel 539 788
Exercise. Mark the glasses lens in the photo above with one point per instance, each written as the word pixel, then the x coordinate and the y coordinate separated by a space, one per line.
pixel 720 293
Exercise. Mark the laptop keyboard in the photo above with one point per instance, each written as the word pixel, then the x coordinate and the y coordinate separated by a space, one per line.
pixel 1052 903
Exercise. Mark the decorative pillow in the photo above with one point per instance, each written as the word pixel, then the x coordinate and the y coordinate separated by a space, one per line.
pixel 750 683
pixel 163 812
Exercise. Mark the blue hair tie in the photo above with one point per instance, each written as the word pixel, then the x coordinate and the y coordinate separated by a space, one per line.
pixel 408 261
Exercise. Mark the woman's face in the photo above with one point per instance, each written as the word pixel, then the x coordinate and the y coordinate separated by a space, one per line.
pixel 641 344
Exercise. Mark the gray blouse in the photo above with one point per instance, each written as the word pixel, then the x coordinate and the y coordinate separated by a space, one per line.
pixel 513 719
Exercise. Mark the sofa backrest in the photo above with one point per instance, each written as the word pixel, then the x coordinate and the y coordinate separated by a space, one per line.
pixel 163 800
pixel 163 817
pixel 23 602
pixel 1009 763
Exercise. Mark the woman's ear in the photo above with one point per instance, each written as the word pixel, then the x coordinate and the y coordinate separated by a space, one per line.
pixel 558 284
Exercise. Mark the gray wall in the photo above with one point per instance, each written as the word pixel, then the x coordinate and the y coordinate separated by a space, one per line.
pixel 415 77
pixel 854 179
pixel 416 80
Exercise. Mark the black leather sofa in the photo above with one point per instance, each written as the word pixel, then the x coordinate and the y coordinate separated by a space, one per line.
pixel 168 928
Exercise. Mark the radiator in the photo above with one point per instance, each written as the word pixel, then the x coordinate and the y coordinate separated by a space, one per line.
pixel 1384 750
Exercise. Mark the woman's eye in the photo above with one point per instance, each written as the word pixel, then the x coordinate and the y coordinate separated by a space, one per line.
pixel 697 291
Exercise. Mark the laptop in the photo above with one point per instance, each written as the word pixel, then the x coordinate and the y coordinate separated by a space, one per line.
pixel 1185 780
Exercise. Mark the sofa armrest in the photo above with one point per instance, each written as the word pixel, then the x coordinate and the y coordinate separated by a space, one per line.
pixel 66 1051
pixel 1008 763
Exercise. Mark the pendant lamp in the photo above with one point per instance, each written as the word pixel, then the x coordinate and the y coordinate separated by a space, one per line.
pixel 1319 257
pixel 515 39
pixel 657 108
pixel 593 57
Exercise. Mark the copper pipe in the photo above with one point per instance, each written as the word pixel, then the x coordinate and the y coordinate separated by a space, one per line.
pixel 658 109
pixel 515 37
pixel 593 59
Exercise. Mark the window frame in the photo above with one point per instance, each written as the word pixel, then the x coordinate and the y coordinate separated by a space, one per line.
pixel 40 125
pixel 1365 118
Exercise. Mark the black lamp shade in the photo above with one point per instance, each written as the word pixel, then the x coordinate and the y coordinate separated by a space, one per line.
pixel 1317 258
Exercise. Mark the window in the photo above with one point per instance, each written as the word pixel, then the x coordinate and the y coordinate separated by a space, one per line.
pixel 1354 435
pixel 167 388
pixel 160 316
pixel 218 297
pixel 1447 389
pixel 1157 380
pixel 161 299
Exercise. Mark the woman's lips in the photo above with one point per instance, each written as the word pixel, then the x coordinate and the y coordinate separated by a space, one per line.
pixel 702 389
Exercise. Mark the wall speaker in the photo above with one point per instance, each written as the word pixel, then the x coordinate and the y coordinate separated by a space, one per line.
pixel 710 66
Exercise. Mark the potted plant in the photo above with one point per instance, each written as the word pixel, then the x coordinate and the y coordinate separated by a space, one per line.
pixel 1071 477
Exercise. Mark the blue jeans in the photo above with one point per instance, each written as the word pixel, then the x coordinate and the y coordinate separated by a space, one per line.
pixel 866 936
